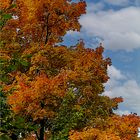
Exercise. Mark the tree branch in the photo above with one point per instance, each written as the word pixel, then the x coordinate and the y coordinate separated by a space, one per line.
pixel 47 29
pixel 37 135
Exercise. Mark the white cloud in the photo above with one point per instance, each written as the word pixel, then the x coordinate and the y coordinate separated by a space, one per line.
pixel 122 112
pixel 94 7
pixel 119 29
pixel 120 85
pixel 115 73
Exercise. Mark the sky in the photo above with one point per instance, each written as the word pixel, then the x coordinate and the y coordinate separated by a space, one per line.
pixel 115 23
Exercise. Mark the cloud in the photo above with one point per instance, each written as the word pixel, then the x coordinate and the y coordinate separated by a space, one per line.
pixel 117 2
pixel 122 112
pixel 115 74
pixel 94 7
pixel 119 30
pixel 126 87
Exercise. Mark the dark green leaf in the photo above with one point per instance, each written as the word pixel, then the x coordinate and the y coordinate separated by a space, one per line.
pixel 24 63
pixel 7 16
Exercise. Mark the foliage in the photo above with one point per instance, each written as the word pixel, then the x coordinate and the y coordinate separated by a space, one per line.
pixel 4 137
pixel 11 124
pixel 114 128
pixel 46 86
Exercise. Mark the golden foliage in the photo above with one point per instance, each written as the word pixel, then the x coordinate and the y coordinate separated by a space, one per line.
pixel 39 74
pixel 114 128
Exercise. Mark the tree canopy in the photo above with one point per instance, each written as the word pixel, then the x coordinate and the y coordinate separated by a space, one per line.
pixel 52 90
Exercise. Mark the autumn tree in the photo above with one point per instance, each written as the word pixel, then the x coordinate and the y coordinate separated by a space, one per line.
pixel 10 123
pixel 53 87
pixel 113 128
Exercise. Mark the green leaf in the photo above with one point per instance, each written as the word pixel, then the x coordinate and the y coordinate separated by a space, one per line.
pixel 1 23
pixel 4 79
pixel 4 137
pixel 12 6
pixel 11 68
pixel 27 56
pixel 24 63
pixel 7 16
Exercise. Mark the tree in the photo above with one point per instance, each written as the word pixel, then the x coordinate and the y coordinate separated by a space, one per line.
pixel 52 87
pixel 10 123
pixel 115 128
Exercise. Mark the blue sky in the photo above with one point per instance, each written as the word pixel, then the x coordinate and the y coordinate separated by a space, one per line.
pixel 115 23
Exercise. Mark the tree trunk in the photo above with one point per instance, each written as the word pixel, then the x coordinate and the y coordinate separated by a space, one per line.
pixel 42 130
pixel 14 136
